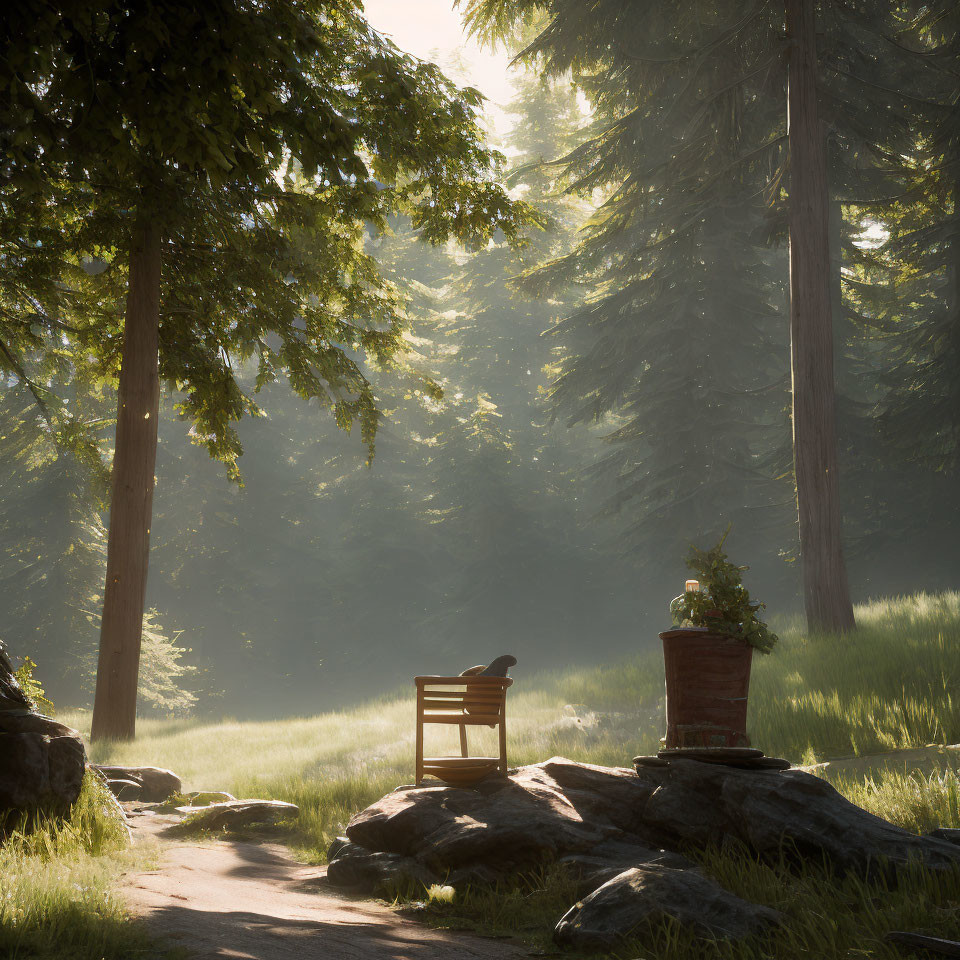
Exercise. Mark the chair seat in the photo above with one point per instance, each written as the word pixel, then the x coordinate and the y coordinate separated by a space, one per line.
pixel 461 761
pixel 460 771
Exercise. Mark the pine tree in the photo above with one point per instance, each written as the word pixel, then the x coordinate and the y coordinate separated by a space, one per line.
pixel 680 350
pixel 922 412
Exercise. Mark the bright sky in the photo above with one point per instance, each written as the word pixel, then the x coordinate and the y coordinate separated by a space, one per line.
pixel 431 30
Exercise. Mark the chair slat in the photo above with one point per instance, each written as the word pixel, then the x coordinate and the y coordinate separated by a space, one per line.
pixel 478 680
pixel 484 719
pixel 471 706
pixel 466 702
pixel 468 699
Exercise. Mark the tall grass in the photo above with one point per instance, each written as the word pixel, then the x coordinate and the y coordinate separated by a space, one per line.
pixel 915 801
pixel 825 917
pixel 885 687
pixel 57 885
pixel 889 685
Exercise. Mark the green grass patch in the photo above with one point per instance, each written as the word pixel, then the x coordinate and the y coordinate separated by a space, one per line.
pixel 825 917
pixel 915 801
pixel 886 687
pixel 58 896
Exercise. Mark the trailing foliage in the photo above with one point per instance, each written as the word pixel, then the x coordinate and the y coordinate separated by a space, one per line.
pixel 32 687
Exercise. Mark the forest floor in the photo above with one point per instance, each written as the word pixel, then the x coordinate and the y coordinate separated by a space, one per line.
pixel 246 900
pixel 880 705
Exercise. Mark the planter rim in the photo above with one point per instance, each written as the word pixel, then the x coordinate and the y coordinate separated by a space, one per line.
pixel 680 633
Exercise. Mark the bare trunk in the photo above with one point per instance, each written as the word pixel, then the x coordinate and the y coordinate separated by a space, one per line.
pixel 955 251
pixel 836 267
pixel 825 587
pixel 131 502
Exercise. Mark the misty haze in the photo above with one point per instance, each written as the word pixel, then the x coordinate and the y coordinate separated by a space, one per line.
pixel 490 465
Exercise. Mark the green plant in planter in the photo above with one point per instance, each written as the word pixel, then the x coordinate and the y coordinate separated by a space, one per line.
pixel 723 603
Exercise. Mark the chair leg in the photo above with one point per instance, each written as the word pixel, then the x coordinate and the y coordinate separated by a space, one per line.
pixel 503 746
pixel 418 779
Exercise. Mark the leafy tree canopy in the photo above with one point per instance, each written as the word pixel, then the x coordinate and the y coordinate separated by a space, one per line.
pixel 262 139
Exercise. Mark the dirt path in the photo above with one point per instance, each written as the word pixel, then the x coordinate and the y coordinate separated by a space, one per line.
pixel 250 901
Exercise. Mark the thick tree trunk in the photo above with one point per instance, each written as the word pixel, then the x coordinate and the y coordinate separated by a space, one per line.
pixel 826 591
pixel 835 240
pixel 131 502
pixel 955 250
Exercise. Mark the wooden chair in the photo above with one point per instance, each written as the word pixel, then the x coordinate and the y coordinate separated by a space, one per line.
pixel 465 701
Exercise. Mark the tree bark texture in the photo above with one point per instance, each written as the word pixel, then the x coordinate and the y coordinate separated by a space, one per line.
pixel 131 501
pixel 825 586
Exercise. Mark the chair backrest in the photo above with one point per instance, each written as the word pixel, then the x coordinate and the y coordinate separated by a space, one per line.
pixel 473 700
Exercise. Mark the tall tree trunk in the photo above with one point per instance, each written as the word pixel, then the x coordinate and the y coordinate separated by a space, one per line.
pixel 825 586
pixel 835 239
pixel 131 502
pixel 955 252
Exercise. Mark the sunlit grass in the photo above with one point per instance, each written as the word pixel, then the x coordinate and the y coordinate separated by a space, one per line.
pixel 825 917
pixel 887 686
pixel 915 801
pixel 58 895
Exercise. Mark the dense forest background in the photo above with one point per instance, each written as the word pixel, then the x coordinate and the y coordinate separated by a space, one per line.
pixel 553 440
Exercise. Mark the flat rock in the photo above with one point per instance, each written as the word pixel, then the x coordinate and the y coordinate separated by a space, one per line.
pixel 36 723
pixel 741 762
pixel 650 762
pixel 203 798
pixel 711 754
pixel 237 813
pixel 155 783
pixel 125 789
pixel 645 895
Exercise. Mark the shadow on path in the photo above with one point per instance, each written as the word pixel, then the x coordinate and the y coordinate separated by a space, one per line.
pixel 248 901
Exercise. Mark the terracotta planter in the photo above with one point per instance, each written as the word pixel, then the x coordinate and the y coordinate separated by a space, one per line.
pixel 708 678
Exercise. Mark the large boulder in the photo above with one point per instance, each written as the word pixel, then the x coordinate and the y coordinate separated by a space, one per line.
pixel 42 761
pixel 558 808
pixel 622 832
pixel 355 866
pixel 642 896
